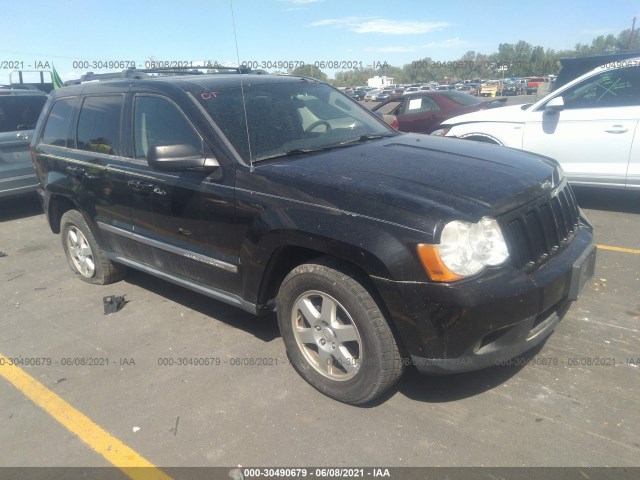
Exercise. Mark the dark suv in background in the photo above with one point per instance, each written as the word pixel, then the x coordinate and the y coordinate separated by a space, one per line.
pixel 377 249
pixel 19 111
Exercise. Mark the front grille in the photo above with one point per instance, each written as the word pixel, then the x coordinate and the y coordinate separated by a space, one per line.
pixel 540 230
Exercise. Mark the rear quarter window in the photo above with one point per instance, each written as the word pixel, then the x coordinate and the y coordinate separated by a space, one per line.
pixel 57 123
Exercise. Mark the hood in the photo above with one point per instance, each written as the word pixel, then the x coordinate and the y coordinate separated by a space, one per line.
pixel 511 114
pixel 442 178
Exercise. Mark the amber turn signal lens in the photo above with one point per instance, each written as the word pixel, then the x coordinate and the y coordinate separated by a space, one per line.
pixel 433 264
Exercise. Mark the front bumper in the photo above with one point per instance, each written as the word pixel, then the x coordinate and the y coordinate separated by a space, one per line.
pixel 501 314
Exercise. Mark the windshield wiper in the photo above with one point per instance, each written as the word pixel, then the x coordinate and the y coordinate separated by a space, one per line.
pixel 295 151
pixel 364 138
pixel 300 151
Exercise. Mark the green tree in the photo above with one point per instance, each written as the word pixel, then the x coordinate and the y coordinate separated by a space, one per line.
pixel 310 71
pixel 625 42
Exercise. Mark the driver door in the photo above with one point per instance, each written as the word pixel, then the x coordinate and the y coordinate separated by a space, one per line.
pixel 183 220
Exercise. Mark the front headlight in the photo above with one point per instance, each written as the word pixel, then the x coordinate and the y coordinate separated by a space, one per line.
pixel 464 249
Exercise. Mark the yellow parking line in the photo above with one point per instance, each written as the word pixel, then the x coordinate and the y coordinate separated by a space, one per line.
pixel 618 249
pixel 113 450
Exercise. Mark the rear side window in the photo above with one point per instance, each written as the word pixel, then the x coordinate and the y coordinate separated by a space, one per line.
pixel 57 126
pixel 20 112
pixel 159 122
pixel 99 124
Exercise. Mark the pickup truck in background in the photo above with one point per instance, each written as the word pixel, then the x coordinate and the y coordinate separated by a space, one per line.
pixel 533 83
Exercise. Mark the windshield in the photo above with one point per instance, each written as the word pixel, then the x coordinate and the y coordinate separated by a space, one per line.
pixel 289 118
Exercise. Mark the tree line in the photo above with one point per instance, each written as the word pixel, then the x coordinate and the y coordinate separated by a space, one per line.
pixel 519 59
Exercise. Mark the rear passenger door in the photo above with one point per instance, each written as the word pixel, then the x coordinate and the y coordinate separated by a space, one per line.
pixel 184 221
pixel 419 115
pixel 95 166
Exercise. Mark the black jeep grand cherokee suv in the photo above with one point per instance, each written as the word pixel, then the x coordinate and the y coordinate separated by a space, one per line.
pixel 376 249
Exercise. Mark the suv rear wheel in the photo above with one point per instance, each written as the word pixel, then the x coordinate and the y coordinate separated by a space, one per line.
pixel 336 336
pixel 83 254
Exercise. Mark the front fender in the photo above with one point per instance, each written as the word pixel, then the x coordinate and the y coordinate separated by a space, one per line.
pixel 378 248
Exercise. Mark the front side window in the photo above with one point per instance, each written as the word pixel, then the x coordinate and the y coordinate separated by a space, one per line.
pixel 158 122
pixel 614 88
pixel 57 126
pixel 99 124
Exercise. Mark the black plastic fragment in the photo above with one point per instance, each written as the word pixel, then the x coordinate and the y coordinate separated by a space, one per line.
pixel 113 303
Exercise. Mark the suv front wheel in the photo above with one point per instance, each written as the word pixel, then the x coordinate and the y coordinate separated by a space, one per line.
pixel 83 253
pixel 335 334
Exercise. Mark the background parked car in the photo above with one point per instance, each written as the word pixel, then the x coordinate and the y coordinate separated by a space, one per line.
pixel 533 83
pixel 19 111
pixel 470 88
pixel 491 89
pixel 372 95
pixel 422 112
pixel 514 88
pixel 411 90
pixel 357 94
pixel 384 94
pixel 588 126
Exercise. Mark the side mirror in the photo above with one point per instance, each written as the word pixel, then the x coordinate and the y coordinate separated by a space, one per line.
pixel 554 105
pixel 179 158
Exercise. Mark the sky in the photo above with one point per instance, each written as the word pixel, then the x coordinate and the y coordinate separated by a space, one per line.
pixel 70 33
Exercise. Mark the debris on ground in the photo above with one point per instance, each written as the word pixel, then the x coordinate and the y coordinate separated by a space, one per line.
pixel 113 303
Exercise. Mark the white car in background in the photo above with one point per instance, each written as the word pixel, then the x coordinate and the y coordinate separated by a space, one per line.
pixel 589 125
pixel 372 95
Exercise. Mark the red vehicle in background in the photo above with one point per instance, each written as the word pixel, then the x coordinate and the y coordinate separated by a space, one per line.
pixel 422 112
pixel 533 83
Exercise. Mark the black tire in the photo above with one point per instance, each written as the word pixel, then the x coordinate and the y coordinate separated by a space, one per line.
pixel 356 371
pixel 84 256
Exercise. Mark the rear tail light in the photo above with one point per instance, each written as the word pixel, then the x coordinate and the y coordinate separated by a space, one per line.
pixel 394 123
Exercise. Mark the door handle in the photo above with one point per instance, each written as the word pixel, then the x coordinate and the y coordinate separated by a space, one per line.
pixel 617 129
pixel 23 136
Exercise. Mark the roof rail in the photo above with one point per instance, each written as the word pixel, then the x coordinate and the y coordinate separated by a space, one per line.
pixel 134 73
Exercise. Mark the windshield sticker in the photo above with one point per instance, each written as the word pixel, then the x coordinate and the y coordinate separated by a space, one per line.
pixel 415 103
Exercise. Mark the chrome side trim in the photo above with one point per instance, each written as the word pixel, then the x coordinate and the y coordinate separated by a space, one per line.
pixel 214 293
pixel 170 248
pixel 20 177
